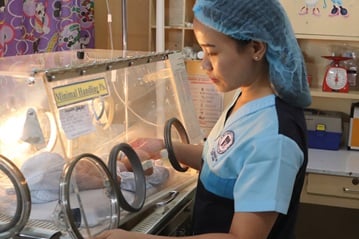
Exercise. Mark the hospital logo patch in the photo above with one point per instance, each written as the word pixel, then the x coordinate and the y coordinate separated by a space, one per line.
pixel 225 142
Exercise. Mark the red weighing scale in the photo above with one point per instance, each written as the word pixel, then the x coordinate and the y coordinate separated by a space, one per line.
pixel 336 78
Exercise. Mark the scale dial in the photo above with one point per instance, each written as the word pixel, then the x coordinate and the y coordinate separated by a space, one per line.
pixel 336 78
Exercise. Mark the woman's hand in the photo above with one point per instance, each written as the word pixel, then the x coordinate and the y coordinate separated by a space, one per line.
pixel 152 146
pixel 146 149
pixel 143 156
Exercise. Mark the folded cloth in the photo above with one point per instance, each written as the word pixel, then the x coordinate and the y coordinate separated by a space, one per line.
pixel 42 173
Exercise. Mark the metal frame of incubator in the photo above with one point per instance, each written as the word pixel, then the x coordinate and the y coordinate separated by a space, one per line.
pixel 155 216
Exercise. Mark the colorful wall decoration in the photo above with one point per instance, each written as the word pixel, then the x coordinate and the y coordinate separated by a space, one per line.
pixel 32 26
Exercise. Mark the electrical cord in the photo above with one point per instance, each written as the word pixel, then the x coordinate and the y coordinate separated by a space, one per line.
pixel 109 21
pixel 130 108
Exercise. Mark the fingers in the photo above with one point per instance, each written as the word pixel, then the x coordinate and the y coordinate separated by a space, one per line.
pixel 143 155
pixel 152 146
pixel 138 142
pixel 103 235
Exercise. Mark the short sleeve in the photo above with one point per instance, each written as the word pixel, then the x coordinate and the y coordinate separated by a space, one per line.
pixel 266 181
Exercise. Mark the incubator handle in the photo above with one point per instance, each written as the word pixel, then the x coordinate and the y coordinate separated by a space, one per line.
pixel 171 196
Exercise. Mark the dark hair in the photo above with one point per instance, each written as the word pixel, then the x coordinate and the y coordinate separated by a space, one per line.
pixel 241 43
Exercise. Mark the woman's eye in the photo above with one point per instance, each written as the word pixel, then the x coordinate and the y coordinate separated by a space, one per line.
pixel 211 53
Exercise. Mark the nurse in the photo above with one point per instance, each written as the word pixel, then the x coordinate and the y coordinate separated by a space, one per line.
pixel 253 163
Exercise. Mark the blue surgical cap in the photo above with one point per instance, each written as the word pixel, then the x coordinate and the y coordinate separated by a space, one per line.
pixel 265 21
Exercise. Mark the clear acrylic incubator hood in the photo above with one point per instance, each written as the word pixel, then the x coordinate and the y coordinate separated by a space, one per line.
pixel 66 119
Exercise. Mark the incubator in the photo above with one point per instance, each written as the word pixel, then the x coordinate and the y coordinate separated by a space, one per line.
pixel 66 123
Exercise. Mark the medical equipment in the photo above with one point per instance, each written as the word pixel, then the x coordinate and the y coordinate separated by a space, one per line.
pixel 66 122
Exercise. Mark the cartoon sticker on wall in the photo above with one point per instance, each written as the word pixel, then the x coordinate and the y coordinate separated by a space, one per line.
pixel 338 9
pixel 310 7
pixel 313 7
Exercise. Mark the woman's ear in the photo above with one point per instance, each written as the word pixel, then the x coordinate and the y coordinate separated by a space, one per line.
pixel 259 50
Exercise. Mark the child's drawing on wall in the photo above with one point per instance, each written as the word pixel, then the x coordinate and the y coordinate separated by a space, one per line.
pixel 338 9
pixel 311 7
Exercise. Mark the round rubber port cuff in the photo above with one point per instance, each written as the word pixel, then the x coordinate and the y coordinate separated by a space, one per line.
pixel 140 181
pixel 168 141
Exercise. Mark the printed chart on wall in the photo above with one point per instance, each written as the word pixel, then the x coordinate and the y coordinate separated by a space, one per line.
pixel 207 100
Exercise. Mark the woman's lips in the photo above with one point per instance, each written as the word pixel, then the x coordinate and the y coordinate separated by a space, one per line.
pixel 214 80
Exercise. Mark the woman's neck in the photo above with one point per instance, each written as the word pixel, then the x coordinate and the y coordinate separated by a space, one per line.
pixel 255 91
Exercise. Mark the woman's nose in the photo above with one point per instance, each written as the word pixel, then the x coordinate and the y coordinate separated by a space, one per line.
pixel 206 64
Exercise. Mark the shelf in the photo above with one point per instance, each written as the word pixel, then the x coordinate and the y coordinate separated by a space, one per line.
pixel 325 37
pixel 317 92
pixel 174 27
pixel 178 28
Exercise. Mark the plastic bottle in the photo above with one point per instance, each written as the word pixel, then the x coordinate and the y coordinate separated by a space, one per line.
pixel 351 66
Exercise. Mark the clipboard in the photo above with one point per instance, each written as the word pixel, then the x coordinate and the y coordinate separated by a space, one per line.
pixel 353 139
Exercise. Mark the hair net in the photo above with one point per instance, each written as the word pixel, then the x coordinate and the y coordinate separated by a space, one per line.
pixel 265 21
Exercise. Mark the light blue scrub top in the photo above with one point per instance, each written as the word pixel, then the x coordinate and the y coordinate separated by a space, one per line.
pixel 248 160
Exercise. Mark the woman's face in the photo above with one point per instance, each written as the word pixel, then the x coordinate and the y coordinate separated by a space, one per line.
pixel 228 66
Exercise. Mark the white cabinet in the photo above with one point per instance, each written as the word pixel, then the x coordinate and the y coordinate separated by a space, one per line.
pixel 323 19
pixel 178 19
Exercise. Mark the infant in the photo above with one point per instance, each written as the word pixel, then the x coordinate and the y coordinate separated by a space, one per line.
pixel 43 173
